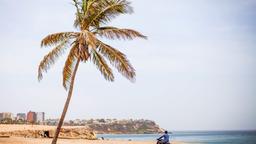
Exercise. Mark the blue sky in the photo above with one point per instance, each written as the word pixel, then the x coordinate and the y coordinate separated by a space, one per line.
pixel 196 71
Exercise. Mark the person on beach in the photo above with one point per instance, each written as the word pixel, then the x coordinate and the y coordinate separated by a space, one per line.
pixel 164 139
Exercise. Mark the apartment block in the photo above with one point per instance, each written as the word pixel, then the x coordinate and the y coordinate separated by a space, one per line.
pixel 7 115
pixel 40 117
pixel 31 117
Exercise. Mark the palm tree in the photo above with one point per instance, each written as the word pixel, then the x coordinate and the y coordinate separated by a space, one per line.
pixel 90 22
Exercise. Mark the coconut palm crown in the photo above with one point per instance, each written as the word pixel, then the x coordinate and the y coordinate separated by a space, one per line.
pixel 92 16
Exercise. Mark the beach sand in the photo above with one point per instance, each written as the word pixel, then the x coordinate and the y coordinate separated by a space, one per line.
pixel 20 140
pixel 15 127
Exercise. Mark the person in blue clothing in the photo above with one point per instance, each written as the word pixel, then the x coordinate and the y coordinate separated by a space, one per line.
pixel 164 139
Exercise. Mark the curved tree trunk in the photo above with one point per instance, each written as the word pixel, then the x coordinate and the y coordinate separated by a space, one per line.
pixel 54 141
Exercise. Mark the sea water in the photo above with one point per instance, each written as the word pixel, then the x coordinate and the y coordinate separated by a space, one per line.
pixel 194 137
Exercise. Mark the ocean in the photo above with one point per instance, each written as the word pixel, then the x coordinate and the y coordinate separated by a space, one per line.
pixel 193 137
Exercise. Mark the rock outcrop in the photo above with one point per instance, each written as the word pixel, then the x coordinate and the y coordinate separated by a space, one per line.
pixel 125 127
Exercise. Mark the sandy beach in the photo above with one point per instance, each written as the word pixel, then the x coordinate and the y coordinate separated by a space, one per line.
pixel 22 140
pixel 19 140
pixel 16 127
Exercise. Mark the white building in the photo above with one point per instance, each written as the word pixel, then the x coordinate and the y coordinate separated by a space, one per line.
pixel 40 117
pixel 7 115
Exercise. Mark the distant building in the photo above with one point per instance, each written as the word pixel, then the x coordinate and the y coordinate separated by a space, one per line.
pixel 1 116
pixel 21 116
pixel 52 121
pixel 76 121
pixel 40 117
pixel 7 115
pixel 31 117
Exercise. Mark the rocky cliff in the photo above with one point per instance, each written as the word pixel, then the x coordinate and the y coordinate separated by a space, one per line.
pixel 124 127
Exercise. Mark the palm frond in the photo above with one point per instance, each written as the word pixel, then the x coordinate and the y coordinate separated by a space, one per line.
pixel 69 66
pixel 90 3
pixel 56 38
pixel 85 41
pixel 84 5
pixel 50 58
pixel 118 60
pixel 90 38
pixel 88 8
pixel 113 33
pixel 101 64
pixel 84 53
pixel 77 22
pixel 78 18
pixel 107 10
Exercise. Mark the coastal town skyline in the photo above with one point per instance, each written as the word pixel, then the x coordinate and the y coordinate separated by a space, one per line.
pixel 43 116
pixel 22 118
pixel 102 125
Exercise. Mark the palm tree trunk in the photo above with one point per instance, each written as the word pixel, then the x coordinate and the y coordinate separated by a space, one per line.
pixel 54 141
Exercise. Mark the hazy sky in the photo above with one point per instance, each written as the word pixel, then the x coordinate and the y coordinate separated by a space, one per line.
pixel 196 71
